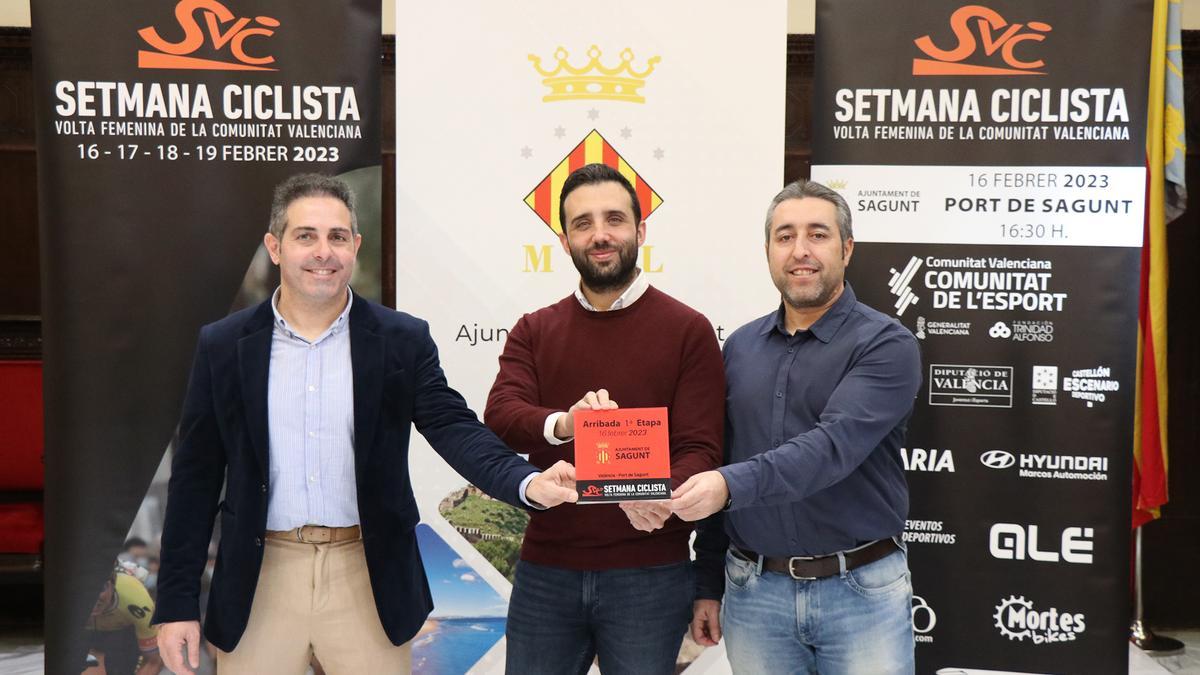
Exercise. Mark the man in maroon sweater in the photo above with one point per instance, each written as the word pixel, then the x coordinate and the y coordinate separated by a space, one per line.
pixel 603 580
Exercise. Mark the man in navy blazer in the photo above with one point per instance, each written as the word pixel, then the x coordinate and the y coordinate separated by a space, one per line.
pixel 301 408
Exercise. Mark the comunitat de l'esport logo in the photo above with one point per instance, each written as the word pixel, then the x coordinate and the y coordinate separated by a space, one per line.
pixel 1017 619
pixel 992 283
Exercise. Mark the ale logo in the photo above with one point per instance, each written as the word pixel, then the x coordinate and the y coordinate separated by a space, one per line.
pixel 995 34
pixel 225 33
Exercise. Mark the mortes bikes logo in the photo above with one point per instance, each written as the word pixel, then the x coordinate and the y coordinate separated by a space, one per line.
pixel 225 34
pixel 995 48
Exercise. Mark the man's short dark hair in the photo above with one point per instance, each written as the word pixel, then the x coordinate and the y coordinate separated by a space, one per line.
pixel 309 185
pixel 802 188
pixel 590 174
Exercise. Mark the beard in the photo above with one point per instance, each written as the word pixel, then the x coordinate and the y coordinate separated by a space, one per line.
pixel 614 275
pixel 816 295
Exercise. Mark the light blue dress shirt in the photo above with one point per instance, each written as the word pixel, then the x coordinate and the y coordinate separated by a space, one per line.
pixel 310 421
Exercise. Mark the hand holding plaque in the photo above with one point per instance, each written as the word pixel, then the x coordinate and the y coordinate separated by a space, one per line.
pixel 622 455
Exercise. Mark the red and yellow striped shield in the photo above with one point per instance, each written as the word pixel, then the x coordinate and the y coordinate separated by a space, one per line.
pixel 592 149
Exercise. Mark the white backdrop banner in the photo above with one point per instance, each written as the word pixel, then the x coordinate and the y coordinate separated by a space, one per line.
pixel 496 104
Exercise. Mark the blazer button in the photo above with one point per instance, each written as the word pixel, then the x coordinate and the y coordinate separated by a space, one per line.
pixel 264 488
pixel 258 541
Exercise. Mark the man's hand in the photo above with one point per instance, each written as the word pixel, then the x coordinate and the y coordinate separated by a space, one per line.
pixel 700 496
pixel 553 486
pixel 646 516
pixel 173 637
pixel 706 622
pixel 564 427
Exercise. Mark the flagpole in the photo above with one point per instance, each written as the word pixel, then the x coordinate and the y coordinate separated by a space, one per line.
pixel 1139 633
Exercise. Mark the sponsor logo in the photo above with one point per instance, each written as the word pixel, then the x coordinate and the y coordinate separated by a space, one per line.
pixel 995 35
pixel 970 386
pixel 927 532
pixel 592 491
pixel 223 32
pixel 1091 384
pixel 932 460
pixel 1023 331
pixel 602 456
pixel 1010 541
pixel 901 285
pixel 1045 385
pixel 1017 619
pixel 1045 465
pixel 923 619
pixel 926 328
pixel 997 459
pixel 594 80
pixel 994 283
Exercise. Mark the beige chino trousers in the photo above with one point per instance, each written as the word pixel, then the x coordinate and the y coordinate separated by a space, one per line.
pixel 314 599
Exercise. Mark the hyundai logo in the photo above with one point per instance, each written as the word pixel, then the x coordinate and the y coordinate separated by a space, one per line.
pixel 997 459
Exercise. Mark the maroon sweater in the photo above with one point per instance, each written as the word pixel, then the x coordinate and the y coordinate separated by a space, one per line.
pixel 656 352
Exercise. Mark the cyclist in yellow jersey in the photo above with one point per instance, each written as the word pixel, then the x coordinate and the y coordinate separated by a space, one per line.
pixel 124 604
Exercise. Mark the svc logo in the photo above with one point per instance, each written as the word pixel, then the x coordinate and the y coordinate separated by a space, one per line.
pixel 180 55
pixel 997 459
pixel 1010 541
pixel 988 22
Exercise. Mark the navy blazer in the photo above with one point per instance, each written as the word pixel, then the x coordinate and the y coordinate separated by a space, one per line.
pixel 222 440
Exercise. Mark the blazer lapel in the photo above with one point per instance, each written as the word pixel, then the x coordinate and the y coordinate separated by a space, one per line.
pixel 367 364
pixel 254 360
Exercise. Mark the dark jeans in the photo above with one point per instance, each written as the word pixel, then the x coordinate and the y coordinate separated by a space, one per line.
pixel 632 619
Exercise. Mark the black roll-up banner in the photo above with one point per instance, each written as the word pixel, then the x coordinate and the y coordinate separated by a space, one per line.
pixel 162 128
pixel 993 156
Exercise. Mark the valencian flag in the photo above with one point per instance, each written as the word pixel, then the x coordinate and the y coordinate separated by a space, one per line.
pixel 593 149
pixel 1166 199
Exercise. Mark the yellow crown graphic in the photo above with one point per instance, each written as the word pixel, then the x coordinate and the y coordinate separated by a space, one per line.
pixel 837 185
pixel 594 81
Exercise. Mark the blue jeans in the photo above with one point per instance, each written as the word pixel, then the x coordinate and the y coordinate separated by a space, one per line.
pixel 632 619
pixel 857 623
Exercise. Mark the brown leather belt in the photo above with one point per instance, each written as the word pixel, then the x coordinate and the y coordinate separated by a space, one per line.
pixel 817 567
pixel 316 534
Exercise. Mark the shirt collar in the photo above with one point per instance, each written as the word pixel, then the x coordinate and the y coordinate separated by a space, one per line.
pixel 337 325
pixel 825 327
pixel 630 296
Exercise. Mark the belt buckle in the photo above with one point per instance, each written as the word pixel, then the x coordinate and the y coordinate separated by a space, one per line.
pixel 792 570
pixel 303 537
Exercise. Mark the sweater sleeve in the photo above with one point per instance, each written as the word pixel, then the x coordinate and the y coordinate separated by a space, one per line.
pixel 512 409
pixel 697 415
